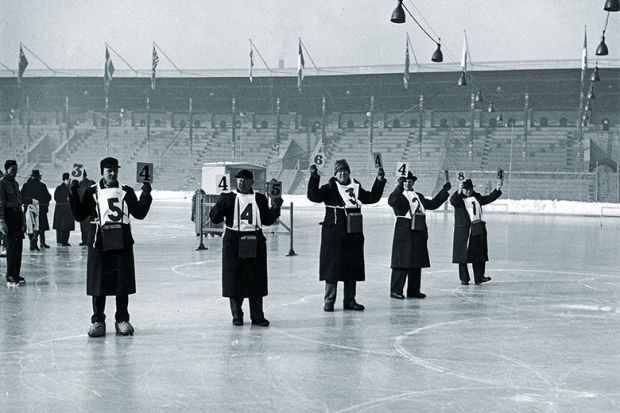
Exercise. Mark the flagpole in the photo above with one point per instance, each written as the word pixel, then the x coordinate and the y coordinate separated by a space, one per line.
pixel 278 126
pixel 234 143
pixel 67 126
pixel 191 131
pixel 370 131
pixel 107 125
pixel 148 127
pixel 27 129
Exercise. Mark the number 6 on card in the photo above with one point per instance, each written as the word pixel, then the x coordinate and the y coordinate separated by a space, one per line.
pixel 144 172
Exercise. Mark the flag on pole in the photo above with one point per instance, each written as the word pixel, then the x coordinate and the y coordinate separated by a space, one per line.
pixel 153 67
pixel 464 56
pixel 251 62
pixel 21 64
pixel 301 64
pixel 108 71
pixel 406 74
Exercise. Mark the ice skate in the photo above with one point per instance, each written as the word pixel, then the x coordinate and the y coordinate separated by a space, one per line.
pixel 13 281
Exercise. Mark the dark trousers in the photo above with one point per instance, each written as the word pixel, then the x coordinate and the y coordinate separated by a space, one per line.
pixel 41 238
pixel 122 301
pixel 399 276
pixel 349 292
pixel 14 247
pixel 84 228
pixel 479 268
pixel 256 308
pixel 62 236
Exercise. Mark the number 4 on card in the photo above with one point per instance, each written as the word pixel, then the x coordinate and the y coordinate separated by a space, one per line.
pixel 144 172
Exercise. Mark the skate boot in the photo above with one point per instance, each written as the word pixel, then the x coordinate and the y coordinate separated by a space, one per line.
pixel 124 328
pixel 12 281
pixel 97 329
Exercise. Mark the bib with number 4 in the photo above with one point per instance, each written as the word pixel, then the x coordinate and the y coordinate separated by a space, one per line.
pixel 247 217
pixel 110 204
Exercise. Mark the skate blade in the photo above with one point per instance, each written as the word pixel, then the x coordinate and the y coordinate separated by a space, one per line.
pixel 12 285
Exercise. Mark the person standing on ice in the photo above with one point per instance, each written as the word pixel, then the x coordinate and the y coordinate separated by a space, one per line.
pixel 342 238
pixel 244 250
pixel 470 233
pixel 12 222
pixel 110 268
pixel 409 247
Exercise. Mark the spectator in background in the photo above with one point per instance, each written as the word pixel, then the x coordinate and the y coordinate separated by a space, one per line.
pixel 470 233
pixel 12 222
pixel 198 200
pixel 85 223
pixel 35 189
pixel 2 243
pixel 63 219
pixel 409 247
pixel 342 239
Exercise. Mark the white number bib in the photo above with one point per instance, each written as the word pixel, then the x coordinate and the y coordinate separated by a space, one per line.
pixel 473 208
pixel 247 216
pixel 349 194
pixel 111 206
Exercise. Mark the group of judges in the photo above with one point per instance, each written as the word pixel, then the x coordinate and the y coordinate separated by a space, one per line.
pixel 341 257
pixel 106 207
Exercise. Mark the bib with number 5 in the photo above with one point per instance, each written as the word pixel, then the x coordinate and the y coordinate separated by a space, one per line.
pixel 111 206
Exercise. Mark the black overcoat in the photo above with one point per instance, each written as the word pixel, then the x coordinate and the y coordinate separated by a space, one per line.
pixel 409 247
pixel 342 254
pixel 35 189
pixel 109 272
pixel 243 277
pixel 63 219
pixel 465 247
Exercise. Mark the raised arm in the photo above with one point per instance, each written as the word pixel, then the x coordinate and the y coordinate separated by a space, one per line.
pixel 314 193
pixel 268 215
pixel 138 208
pixel 438 199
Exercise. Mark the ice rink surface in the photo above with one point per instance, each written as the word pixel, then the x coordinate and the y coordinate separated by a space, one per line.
pixel 542 336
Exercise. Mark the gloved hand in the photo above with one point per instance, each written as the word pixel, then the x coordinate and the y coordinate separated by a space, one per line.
pixel 314 171
pixel 3 228
pixel 278 201
pixel 75 184
pixel 401 181
pixel 447 186
pixel 381 174
pixel 499 185
pixel 146 188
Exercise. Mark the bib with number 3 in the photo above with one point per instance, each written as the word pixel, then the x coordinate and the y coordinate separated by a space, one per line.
pixel 111 206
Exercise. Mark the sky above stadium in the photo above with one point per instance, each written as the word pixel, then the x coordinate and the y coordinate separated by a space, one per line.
pixel 214 34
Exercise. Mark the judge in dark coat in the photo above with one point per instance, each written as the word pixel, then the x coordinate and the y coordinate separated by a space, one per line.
pixel 342 239
pixel 85 183
pixel 409 247
pixel 470 233
pixel 35 189
pixel 110 268
pixel 63 220
pixel 244 250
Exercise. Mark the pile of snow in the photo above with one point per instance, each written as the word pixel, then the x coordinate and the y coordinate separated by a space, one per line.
pixel 521 206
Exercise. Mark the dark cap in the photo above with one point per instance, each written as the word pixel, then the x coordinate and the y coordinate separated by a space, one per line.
pixel 9 163
pixel 411 176
pixel 340 165
pixel 35 173
pixel 245 174
pixel 65 176
pixel 468 184
pixel 109 163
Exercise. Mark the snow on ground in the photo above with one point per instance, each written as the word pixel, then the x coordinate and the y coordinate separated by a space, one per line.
pixel 521 206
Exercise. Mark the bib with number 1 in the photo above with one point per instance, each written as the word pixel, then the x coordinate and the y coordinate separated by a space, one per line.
pixel 246 215
pixel 474 210
pixel 111 206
